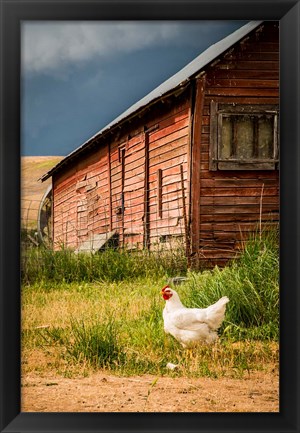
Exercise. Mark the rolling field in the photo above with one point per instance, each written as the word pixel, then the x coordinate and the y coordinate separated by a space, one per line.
pixel 32 189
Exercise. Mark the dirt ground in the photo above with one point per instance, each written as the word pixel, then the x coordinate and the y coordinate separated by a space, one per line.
pixel 101 392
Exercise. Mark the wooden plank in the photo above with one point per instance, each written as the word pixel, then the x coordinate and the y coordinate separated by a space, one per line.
pixel 159 192
pixel 242 91
pixel 240 218
pixel 195 163
pixel 263 46
pixel 64 186
pixel 259 55
pixel 237 201
pixel 168 212
pixel 170 198
pixel 169 130
pixel 239 191
pixel 235 182
pixel 167 139
pixel 231 209
pixel 169 153
pixel 115 177
pixel 237 99
pixel 109 186
pixel 174 161
pixel 134 156
pixel 168 146
pixel 134 142
pixel 249 64
pixel 135 166
pixel 132 216
pixel 171 173
pixel 165 189
pixel 235 174
pixel 243 82
pixel 134 183
pixel 217 253
pixel 228 227
pixel 146 237
pixel 253 74
pixel 187 172
pixel 167 224
pixel 166 110
pixel 133 203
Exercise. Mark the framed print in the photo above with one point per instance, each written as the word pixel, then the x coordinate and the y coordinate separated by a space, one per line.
pixel 184 172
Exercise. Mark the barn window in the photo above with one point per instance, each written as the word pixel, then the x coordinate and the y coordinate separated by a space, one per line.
pixel 243 137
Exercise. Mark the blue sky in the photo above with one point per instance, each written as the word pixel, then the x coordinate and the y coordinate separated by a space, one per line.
pixel 76 77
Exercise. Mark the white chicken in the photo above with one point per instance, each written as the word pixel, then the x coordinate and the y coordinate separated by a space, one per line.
pixel 191 326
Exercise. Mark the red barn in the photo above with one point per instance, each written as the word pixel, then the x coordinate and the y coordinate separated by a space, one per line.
pixel 193 162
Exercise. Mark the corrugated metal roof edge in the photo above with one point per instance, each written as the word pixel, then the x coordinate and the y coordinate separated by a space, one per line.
pixel 166 88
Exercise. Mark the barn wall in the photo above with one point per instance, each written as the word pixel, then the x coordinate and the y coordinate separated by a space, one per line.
pixel 127 182
pixel 132 183
pixel 155 148
pixel 168 168
pixel 230 201
pixel 81 200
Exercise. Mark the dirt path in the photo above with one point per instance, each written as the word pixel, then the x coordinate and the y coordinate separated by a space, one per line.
pixel 100 392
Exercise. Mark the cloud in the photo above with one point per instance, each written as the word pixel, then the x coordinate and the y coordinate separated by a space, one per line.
pixel 50 47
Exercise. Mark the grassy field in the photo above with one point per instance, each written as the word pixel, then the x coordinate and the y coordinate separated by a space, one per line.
pixel 32 189
pixel 83 313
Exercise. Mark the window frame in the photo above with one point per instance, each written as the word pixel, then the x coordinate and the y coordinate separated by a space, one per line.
pixel 217 112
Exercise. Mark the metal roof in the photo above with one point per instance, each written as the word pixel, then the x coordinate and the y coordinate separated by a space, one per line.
pixel 177 80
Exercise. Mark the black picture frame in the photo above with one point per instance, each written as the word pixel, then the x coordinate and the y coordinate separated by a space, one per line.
pixel 12 13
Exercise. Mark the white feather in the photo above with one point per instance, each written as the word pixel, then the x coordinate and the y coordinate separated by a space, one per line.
pixel 193 325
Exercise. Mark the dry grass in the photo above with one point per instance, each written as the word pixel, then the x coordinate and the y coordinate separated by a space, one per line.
pixel 32 190
pixel 87 301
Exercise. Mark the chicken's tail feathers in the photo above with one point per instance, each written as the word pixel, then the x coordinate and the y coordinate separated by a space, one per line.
pixel 224 300
pixel 216 312
pixel 219 304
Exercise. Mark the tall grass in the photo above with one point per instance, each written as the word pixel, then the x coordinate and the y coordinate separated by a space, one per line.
pixel 39 264
pixel 252 285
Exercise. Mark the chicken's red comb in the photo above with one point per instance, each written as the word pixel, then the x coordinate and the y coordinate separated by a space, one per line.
pixel 164 288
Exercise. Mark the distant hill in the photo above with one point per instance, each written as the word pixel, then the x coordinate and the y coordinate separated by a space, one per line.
pixel 32 190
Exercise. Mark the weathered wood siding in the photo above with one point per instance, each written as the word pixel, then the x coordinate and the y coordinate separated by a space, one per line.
pixel 116 186
pixel 230 200
pixel 81 200
pixel 152 195
pixel 168 165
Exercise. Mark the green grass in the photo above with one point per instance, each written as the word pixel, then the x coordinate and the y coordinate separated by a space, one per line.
pixel 252 285
pixel 39 264
pixel 108 315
